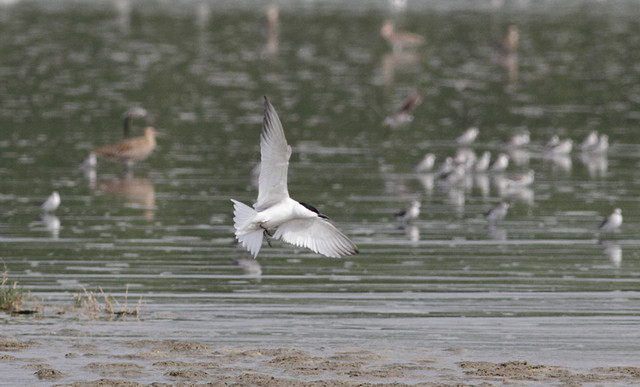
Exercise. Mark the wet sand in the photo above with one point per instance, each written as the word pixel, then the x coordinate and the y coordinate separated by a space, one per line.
pixel 182 363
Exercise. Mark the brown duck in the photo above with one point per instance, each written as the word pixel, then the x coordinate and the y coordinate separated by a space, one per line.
pixel 131 150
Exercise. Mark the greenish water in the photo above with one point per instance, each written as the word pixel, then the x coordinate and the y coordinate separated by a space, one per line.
pixel 543 285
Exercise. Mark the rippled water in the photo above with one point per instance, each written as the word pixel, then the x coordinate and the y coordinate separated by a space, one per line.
pixel 543 285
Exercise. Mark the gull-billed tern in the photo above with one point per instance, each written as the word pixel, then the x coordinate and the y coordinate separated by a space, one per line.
pixel 294 222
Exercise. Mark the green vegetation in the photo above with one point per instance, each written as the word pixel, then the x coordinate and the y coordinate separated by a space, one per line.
pixel 11 296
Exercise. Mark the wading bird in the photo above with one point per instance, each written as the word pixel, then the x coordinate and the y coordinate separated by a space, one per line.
pixel 497 213
pixel 468 137
pixel 131 150
pixel 403 115
pixel 294 222
pixel 612 222
pixel 408 214
pixel 399 39
pixel 52 203
pixel 509 44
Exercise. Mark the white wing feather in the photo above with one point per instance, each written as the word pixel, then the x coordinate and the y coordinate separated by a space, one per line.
pixel 274 164
pixel 318 235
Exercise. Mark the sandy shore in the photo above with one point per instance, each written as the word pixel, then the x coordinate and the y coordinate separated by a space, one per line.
pixel 183 363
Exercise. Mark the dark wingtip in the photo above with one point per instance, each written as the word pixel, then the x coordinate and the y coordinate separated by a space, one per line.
pixel 267 105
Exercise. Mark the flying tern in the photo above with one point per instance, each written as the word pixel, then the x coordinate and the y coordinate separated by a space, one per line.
pixel 294 222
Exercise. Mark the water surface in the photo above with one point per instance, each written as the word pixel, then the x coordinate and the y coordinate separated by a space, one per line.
pixel 542 286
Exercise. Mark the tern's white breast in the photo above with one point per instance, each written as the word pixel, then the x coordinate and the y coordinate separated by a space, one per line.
pixel 284 211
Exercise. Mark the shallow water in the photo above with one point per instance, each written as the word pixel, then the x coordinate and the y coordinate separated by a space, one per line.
pixel 543 285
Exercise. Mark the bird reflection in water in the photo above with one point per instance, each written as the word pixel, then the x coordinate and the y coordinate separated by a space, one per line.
pixel 426 180
pixel 51 224
pixel 519 156
pixel 202 14
pixel 399 40
pixel 393 61
pixel 47 222
pixel 250 267
pixel 518 193
pixel 481 181
pixel 558 163
pixel 496 232
pixel 506 50
pixel 613 251
pixel 123 10
pixel 137 193
pixel 88 169
pixel 270 28
pixel 413 233
pixel 596 165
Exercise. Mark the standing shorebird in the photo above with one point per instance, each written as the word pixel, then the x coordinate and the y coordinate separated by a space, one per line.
pixel 500 164
pixel 52 203
pixel 468 137
pixel 555 146
pixel 497 213
pixel 426 164
pixel 403 115
pixel 406 215
pixel 482 164
pixel 599 146
pixel 294 222
pixel 612 222
pixel 589 141
pixel 131 150
pixel 519 139
pixel 399 39
pixel 509 44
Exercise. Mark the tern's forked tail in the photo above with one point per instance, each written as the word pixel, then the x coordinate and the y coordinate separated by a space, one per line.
pixel 247 233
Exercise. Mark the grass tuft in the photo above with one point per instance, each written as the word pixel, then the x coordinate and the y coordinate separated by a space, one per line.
pixel 12 296
pixel 96 303
pixel 109 306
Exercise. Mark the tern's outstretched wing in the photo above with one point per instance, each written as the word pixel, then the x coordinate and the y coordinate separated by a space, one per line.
pixel 318 235
pixel 274 164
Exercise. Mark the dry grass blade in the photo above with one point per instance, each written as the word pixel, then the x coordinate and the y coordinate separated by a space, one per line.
pixel 109 306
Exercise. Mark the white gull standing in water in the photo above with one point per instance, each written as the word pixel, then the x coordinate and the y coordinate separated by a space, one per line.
pixel 52 203
pixel 612 222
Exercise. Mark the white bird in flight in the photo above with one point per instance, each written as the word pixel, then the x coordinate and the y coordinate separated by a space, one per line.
pixel 294 222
